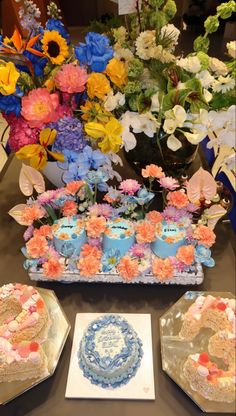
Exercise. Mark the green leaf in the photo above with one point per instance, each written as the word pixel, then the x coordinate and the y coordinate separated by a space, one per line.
pixel 50 212
pixel 220 100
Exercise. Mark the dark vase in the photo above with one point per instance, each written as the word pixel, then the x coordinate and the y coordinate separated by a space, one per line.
pixel 147 151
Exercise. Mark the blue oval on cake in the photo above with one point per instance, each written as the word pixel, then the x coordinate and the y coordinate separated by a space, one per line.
pixel 69 235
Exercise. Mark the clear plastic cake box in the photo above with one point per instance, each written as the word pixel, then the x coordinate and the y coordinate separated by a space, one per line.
pixel 193 276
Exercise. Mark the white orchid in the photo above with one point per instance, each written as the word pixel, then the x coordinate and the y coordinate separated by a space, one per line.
pixel 174 118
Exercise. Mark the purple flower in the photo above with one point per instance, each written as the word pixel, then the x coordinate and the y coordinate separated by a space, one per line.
pixel 69 134
pixel 139 250
pixel 177 215
pixel 28 233
pixel 104 210
pixel 47 197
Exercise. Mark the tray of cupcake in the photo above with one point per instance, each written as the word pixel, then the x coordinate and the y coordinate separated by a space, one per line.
pixel 73 238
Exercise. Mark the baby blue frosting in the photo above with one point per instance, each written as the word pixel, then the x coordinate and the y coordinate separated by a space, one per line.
pixel 77 237
pixel 164 249
pixel 117 240
pixel 115 366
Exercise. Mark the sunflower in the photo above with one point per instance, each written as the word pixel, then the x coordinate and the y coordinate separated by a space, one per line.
pixel 55 47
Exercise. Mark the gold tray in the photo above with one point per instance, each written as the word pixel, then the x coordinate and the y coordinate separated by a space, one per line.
pixel 174 350
pixel 53 347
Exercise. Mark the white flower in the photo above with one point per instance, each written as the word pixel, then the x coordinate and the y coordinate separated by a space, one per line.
pixel 171 32
pixel 230 162
pixel 207 95
pixel 196 137
pixel 190 64
pixel 122 53
pixel 205 78
pixel 173 143
pixel 174 118
pixel 217 66
pixel 222 125
pixel 113 101
pixel 163 55
pixel 169 125
pixel 155 106
pixel 144 123
pixel 231 47
pixel 223 84
pixel 144 44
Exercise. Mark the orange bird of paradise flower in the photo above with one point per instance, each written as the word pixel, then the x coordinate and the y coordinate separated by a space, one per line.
pixel 17 45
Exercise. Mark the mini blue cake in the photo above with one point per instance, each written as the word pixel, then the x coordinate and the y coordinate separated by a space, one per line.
pixel 168 239
pixel 110 352
pixel 119 235
pixel 68 236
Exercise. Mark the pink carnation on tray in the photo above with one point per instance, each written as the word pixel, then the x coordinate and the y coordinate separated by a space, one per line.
pixel 88 266
pixel 47 197
pixel 69 209
pixel 95 226
pixel 139 250
pixel 145 232
pixel 128 268
pixel 40 107
pixel 71 78
pixel 169 183
pixel 88 250
pixel 73 187
pixel 186 254
pixel 44 231
pixel 20 133
pixel 129 186
pixel 162 268
pixel 204 235
pixel 153 171
pixel 53 268
pixel 37 247
pixel 154 217
pixel 104 210
pixel 32 213
pixel 178 199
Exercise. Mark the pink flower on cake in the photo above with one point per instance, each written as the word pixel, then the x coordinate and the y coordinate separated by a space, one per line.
pixel 71 78
pixel 88 266
pixel 186 254
pixel 88 250
pixel 40 107
pixel 145 232
pixel 32 213
pixel 162 268
pixel 129 186
pixel 73 187
pixel 128 268
pixel 178 199
pixel 53 268
pixel 154 217
pixel 37 247
pixel 44 231
pixel 169 183
pixel 153 171
pixel 20 133
pixel 95 226
pixel 69 209
pixel 204 235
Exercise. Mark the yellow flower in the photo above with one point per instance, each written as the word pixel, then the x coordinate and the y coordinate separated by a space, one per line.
pixel 38 153
pixel 55 47
pixel 98 85
pixel 117 73
pixel 95 112
pixel 8 77
pixel 110 133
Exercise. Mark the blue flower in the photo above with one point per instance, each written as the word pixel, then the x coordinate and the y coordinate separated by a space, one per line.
pixel 110 259
pixel 99 178
pixel 56 24
pixel 203 255
pixel 38 63
pixel 10 104
pixel 142 198
pixel 70 134
pixel 70 157
pixel 96 52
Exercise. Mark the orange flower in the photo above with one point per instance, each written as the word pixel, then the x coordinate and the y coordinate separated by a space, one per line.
pixel 69 209
pixel 204 235
pixel 186 254
pixel 153 171
pixel 88 266
pixel 73 187
pixel 162 268
pixel 32 213
pixel 88 250
pixel 95 226
pixel 178 198
pixel 145 232
pixel 154 217
pixel 128 268
pixel 53 268
pixel 37 247
pixel 43 231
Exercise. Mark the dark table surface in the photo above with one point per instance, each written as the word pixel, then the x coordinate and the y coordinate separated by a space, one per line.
pixel 48 398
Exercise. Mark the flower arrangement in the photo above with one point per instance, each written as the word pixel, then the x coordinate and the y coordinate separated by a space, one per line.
pixel 76 204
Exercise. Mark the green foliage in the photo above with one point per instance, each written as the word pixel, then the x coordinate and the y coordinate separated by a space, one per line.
pixel 211 24
pixel 135 68
pixel 220 100
pixel 170 9
pixel 201 43
pixel 25 82
pixel 204 59
pixel 133 87
pixel 225 10
pixel 133 103
pixel 156 69
pixel 143 102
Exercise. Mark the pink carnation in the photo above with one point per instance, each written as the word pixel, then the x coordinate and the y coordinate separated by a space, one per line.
pixel 71 78
pixel 20 133
pixel 129 186
pixel 40 107
pixel 169 183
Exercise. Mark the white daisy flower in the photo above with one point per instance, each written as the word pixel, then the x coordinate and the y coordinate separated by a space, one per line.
pixel 223 84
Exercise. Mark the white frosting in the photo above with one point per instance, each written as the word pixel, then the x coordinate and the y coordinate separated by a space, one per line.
pixel 109 341
pixel 202 371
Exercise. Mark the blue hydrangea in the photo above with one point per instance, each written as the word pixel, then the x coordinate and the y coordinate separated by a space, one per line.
pixel 56 24
pixel 96 52
pixel 70 135
pixel 203 255
pixel 142 198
